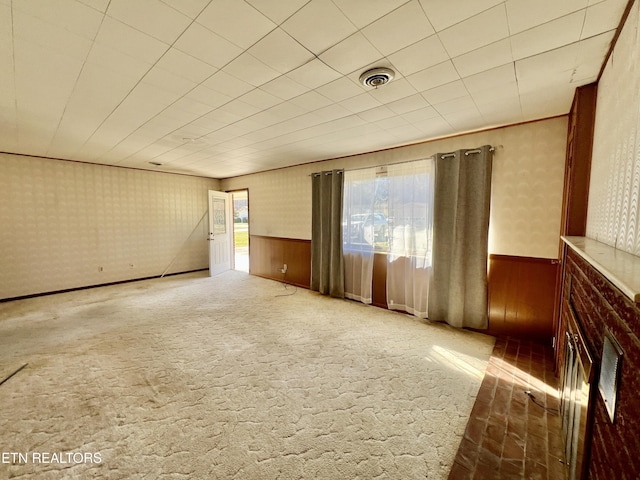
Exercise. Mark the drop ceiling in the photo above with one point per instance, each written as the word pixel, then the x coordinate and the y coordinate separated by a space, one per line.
pixel 223 88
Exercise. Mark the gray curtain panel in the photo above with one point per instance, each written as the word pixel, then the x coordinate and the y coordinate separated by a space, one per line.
pixel 327 264
pixel 458 291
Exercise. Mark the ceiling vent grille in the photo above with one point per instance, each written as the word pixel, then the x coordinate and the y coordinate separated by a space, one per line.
pixel 376 77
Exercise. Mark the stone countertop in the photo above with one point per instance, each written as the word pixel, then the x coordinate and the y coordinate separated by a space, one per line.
pixel 619 267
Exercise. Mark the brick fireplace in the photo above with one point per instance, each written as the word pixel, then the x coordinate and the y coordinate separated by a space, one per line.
pixel 598 285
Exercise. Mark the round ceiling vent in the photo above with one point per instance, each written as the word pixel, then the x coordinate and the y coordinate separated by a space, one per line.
pixel 376 77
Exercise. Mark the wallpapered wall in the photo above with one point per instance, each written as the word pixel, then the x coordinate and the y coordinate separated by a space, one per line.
pixel 67 224
pixel 527 183
pixel 614 191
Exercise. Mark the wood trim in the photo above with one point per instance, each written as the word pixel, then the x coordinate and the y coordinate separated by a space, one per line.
pixel 577 172
pixel 379 287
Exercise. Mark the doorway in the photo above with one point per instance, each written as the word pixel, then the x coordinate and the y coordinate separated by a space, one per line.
pixel 240 203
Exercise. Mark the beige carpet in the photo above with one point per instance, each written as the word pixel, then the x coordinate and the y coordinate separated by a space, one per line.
pixel 191 377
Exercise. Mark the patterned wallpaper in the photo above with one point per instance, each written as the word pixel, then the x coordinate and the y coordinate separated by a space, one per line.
pixel 68 224
pixel 614 191
pixel 527 183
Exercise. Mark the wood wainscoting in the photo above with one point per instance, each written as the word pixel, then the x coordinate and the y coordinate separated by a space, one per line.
pixel 521 289
pixel 269 254
pixel 522 296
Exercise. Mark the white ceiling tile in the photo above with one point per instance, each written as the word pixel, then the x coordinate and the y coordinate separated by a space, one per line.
pixel 395 90
pixel 456 105
pixel 464 120
pixel 284 88
pixel 191 8
pixel 420 115
pixel 591 51
pixel 71 16
pixel 207 96
pixel 553 68
pixel 495 77
pixel 285 111
pixel 548 36
pixel 205 45
pixel 423 54
pixel 277 10
pixel 546 102
pixel 151 17
pixel 90 87
pixel 408 104
pixel 403 27
pixel 478 31
pixel 376 114
pixel 446 92
pixel 234 111
pixel 565 67
pixel 125 39
pixel 332 112
pixel 222 82
pixel 313 74
pixel 360 103
pixel 304 25
pixel 165 80
pixel 86 110
pixel 443 14
pixel 351 54
pixel 434 127
pixel 100 5
pixel 523 17
pixel 434 76
pixel 260 99
pixel 191 105
pixel 236 21
pixel 128 70
pixel 186 66
pixel 493 95
pixel 280 51
pixel 484 58
pixel 502 109
pixel 602 17
pixel 251 70
pixel 311 101
pixel 47 35
pixel 364 12
pixel 340 89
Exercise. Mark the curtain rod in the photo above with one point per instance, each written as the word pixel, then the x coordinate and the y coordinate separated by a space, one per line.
pixel 373 166
pixel 468 152
pixel 443 156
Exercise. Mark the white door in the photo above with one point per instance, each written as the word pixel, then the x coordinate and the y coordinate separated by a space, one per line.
pixel 220 232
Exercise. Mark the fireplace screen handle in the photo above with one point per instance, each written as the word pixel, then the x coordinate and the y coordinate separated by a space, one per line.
pixel 570 341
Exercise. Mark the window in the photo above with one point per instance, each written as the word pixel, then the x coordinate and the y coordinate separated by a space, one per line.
pixel 365 219
pixel 389 210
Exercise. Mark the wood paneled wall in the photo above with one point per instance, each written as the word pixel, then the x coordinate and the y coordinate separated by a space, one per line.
pixel 522 296
pixel 268 255
pixel 521 289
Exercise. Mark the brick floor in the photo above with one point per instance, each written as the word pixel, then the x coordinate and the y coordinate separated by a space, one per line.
pixel 510 436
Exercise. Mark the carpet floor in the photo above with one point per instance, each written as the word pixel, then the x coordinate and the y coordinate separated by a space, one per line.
pixel 230 377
